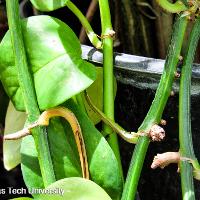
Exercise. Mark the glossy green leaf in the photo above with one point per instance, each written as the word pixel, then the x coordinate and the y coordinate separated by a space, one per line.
pixel 14 122
pixel 64 156
pixel 103 164
pixel 30 164
pixel 48 5
pixel 54 56
pixel 75 189
pixel 95 92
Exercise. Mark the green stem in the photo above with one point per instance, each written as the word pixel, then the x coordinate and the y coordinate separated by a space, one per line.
pixel 156 109
pixel 130 137
pixel 176 7
pixel 108 77
pixel 28 91
pixel 185 135
pixel 90 33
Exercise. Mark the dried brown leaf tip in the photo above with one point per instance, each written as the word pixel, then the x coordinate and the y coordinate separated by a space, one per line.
pixel 156 133
pixel 164 159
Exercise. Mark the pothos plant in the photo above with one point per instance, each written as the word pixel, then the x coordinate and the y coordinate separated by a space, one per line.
pixel 55 103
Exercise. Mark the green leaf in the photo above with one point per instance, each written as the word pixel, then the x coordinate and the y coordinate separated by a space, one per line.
pixel 64 156
pixel 14 122
pixel 75 189
pixel 102 161
pixel 103 164
pixel 95 92
pixel 54 59
pixel 30 164
pixel 48 5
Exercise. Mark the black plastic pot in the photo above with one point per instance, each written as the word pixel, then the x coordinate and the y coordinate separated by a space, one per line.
pixel 137 80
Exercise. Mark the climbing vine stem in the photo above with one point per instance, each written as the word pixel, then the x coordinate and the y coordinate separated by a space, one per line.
pixel 156 109
pixel 90 33
pixel 28 91
pixel 185 135
pixel 108 77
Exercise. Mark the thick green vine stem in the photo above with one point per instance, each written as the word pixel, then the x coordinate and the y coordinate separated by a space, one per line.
pixel 185 135
pixel 156 109
pixel 90 33
pixel 28 91
pixel 108 77
pixel 176 7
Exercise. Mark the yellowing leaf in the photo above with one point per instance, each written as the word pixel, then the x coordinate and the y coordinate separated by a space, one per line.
pixel 15 121
pixel 75 188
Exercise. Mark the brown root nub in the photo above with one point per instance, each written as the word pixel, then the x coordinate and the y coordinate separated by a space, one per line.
pixel 164 159
pixel 172 93
pixel 156 133
pixel 163 122
pixel 180 58
pixel 177 75
pixel 111 34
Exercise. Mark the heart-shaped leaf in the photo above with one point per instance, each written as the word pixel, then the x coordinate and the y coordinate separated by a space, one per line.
pixel 48 5
pixel 74 188
pixel 54 57
pixel 15 121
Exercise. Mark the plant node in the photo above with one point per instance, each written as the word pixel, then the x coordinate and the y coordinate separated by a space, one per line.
pixel 110 34
pixel 156 133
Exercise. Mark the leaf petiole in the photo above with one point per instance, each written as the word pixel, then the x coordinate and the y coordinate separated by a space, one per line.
pixel 90 33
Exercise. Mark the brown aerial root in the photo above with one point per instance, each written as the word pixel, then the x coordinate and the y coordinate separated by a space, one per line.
pixel 156 133
pixel 164 159
pixel 44 121
pixel 22 133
